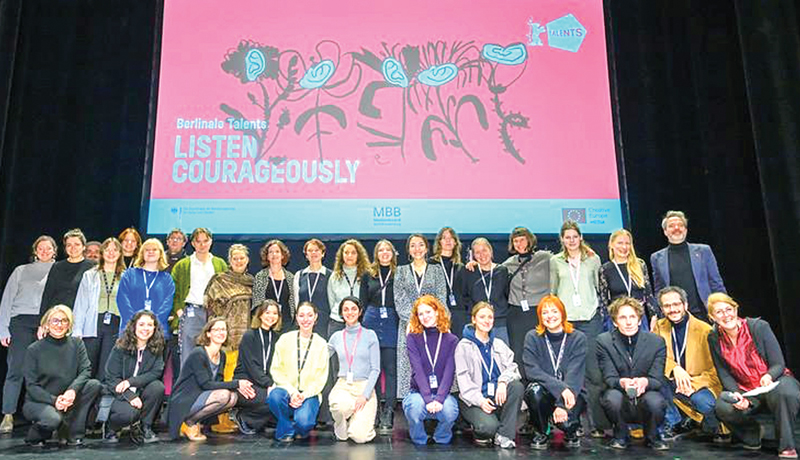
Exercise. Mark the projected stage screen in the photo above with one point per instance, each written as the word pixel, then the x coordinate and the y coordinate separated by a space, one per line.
pixel 376 117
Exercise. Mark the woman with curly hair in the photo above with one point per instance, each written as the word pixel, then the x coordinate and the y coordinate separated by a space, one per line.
pixel 431 350
pixel 133 377
pixel 275 281
pixel 352 262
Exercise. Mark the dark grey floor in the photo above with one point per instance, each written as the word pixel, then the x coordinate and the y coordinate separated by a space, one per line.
pixel 322 446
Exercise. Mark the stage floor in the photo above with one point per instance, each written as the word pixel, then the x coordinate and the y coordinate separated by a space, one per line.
pixel 323 446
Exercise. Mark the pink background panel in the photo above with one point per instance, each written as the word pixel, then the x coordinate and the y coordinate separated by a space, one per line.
pixel 565 96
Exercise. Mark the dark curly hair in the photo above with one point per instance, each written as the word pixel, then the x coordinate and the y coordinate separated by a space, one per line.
pixel 127 341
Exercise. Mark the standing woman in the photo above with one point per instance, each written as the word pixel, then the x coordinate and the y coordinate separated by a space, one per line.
pixel 131 243
pixel 555 362
pixel 19 319
pixel 229 296
pixel 274 281
pixel 430 348
pixel 625 275
pixel 574 278
pixel 377 293
pixel 96 312
pixel 255 359
pixel 352 400
pixel 201 393
pixel 299 371
pixel 133 377
pixel 311 284
pixel 411 282
pixel 352 262
pixel 529 282
pixel 58 387
pixel 65 276
pixel 490 390
pixel 147 286
pixel 487 283
pixel 447 254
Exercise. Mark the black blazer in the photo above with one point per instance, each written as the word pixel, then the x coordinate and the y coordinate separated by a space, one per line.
pixel 539 369
pixel 766 345
pixel 120 366
pixel 649 357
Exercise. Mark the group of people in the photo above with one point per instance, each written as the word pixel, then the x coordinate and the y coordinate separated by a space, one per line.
pixel 585 345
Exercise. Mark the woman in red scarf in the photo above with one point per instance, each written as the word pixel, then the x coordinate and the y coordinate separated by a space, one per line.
pixel 747 357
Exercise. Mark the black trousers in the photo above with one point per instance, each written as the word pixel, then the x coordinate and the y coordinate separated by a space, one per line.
pixel 99 348
pixel 519 323
pixel 255 412
pixel 594 378
pixel 23 333
pixel 47 418
pixel 542 404
pixel 389 370
pixel 648 409
pixel 782 402
pixel 123 414
pixel 502 421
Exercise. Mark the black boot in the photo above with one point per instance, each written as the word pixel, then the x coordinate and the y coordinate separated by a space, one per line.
pixel 386 420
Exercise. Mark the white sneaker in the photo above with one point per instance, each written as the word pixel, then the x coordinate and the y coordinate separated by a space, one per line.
pixel 7 425
pixel 503 442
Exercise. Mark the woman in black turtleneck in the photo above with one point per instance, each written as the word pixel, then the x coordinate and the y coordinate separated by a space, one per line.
pixel 555 363
pixel 65 276
pixel 447 254
pixel 255 358
pixel 377 294
pixel 57 383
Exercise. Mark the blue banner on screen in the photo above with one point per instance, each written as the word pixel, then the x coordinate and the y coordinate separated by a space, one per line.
pixel 362 117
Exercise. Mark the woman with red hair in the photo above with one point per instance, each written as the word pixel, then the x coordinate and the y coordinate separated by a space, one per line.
pixel 431 348
pixel 555 362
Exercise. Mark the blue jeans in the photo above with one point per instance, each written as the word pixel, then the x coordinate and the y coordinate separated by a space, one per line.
pixel 305 416
pixel 416 414
pixel 702 401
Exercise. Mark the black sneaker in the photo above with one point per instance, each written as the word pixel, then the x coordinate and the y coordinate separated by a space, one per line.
pixel 668 434
pixel 618 444
pixel 571 441
pixel 658 445
pixel 136 435
pixel 74 442
pixel 596 433
pixel 110 437
pixel 386 424
pixel 482 442
pixel 149 436
pixel 539 441
pixel 244 428
pixel 720 438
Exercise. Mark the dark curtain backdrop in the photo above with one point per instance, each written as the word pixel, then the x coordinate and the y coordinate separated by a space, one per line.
pixel 707 105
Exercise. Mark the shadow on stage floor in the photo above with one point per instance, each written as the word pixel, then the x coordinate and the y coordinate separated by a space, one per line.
pixel 322 446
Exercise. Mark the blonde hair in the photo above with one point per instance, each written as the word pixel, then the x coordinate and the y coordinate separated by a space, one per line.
pixel 437 245
pixel 634 263
pixel 375 268
pixel 586 250
pixel 45 321
pixel 718 297
pixel 162 259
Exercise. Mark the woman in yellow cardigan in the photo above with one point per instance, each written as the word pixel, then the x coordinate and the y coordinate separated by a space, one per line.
pixel 300 371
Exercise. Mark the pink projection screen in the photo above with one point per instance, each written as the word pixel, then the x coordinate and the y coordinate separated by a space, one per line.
pixel 376 117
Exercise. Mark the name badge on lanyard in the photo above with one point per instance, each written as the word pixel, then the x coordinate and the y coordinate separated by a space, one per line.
pixel 433 382
pixel 148 304
pixel 384 313
pixel 190 312
pixel 384 284
pixel 451 299
pixel 107 318
pixel 575 276
pixel 490 388
pixel 524 305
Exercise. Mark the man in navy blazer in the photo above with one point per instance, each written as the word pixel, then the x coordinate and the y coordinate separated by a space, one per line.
pixel 692 267
pixel 632 363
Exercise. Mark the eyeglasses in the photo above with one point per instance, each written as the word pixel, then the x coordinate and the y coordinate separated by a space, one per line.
pixel 724 311
pixel 57 321
pixel 669 306
pixel 176 239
